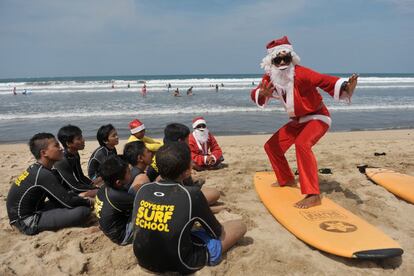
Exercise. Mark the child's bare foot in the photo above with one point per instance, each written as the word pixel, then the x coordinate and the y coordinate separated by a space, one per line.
pixel 291 183
pixel 309 201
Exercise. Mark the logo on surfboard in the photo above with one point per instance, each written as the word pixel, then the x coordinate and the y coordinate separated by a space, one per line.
pixel 338 226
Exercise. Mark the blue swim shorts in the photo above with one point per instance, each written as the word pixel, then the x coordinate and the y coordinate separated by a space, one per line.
pixel 213 246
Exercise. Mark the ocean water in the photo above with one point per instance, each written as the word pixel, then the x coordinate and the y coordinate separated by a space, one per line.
pixel 381 101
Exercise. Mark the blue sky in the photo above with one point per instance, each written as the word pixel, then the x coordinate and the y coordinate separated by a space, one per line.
pixel 126 37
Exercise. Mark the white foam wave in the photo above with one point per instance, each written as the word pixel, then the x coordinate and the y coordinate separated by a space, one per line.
pixel 204 110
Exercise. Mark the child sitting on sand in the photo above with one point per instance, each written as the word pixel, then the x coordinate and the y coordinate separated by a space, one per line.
pixel 107 137
pixel 69 168
pixel 113 203
pixel 137 129
pixel 139 158
pixel 26 206
pixel 165 213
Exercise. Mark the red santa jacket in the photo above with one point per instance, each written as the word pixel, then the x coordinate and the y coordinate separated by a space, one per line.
pixel 199 152
pixel 303 102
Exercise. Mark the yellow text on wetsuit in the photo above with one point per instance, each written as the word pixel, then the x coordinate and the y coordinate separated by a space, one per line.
pixel 154 216
pixel 21 178
pixel 98 207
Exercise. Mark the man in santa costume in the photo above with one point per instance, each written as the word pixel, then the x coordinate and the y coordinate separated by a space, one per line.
pixel 205 151
pixel 295 87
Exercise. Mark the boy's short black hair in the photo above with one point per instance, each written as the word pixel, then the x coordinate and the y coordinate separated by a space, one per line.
pixel 112 169
pixel 132 150
pixel 103 133
pixel 175 132
pixel 39 142
pixel 66 134
pixel 173 159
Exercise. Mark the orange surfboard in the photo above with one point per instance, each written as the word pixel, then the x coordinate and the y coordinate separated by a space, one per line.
pixel 327 227
pixel 401 185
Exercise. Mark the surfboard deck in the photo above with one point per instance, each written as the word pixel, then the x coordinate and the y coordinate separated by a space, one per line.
pixel 401 185
pixel 327 227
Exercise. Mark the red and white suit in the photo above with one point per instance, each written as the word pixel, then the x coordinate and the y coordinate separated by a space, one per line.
pixel 310 120
pixel 199 152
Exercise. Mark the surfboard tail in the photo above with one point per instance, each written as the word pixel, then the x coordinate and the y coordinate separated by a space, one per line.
pixel 379 253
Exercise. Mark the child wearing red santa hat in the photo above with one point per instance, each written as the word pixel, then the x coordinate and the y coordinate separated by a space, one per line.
pixel 137 129
pixel 295 87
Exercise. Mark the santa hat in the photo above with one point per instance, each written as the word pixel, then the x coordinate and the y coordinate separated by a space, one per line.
pixel 276 46
pixel 136 126
pixel 198 120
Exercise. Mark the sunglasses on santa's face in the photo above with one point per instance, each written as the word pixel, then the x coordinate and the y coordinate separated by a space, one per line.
pixel 201 126
pixel 286 59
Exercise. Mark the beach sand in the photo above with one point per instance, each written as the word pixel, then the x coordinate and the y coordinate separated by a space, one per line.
pixel 268 248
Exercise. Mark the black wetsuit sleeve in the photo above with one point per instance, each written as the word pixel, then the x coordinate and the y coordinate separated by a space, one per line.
pixel 204 215
pixel 55 191
pixel 66 173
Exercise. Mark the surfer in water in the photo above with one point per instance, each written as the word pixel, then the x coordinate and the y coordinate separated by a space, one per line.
pixel 295 87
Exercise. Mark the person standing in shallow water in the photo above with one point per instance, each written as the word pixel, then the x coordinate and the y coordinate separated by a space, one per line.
pixel 295 87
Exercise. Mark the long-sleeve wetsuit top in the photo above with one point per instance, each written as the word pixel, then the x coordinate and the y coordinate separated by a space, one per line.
pixel 113 209
pixel 97 158
pixel 164 214
pixel 70 170
pixel 28 193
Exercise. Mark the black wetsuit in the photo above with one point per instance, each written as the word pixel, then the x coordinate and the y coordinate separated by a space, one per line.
pixel 70 170
pixel 164 215
pixel 28 210
pixel 97 158
pixel 113 209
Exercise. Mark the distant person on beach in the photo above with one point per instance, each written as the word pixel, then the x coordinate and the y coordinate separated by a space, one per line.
pixel 252 83
pixel 144 90
pixel 176 93
pixel 14 91
pixel 175 230
pixel 168 87
pixel 69 168
pixel 205 151
pixel 26 206
pixel 24 92
pixel 107 137
pixel 222 85
pixel 217 87
pixel 190 91
pixel 113 85
pixel 129 85
pixel 139 158
pixel 296 87
pixel 113 203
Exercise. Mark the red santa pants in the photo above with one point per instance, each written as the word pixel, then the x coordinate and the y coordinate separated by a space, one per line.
pixel 304 136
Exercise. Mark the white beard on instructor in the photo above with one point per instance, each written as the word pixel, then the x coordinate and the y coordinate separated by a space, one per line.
pixel 201 134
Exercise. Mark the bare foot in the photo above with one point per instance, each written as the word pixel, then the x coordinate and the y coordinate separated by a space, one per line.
pixel 217 208
pixel 291 183
pixel 308 201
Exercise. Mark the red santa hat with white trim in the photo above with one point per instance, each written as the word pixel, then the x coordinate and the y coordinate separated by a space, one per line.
pixel 198 120
pixel 136 126
pixel 276 46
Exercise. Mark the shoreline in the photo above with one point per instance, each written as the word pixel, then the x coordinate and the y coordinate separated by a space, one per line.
pixel 268 248
pixel 92 139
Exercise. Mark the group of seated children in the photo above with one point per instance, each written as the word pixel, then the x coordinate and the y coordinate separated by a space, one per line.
pixel 140 197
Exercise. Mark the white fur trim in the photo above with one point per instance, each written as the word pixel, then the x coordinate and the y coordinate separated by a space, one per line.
pixel 205 160
pixel 337 90
pixel 199 121
pixel 326 119
pixel 137 129
pixel 280 48
pixel 290 103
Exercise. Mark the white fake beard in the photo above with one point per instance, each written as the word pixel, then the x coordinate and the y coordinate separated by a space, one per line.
pixel 282 76
pixel 201 135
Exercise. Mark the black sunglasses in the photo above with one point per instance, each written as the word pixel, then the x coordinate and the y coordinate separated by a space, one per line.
pixel 287 59
pixel 201 126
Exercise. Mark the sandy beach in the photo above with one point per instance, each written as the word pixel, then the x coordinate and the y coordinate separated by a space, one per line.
pixel 268 248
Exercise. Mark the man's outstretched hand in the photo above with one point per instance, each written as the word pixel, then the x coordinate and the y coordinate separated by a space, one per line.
pixel 266 89
pixel 352 83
